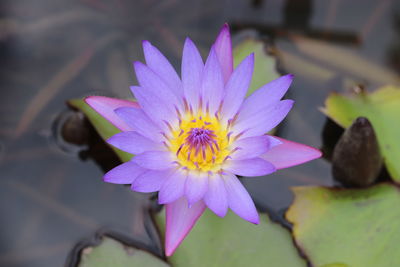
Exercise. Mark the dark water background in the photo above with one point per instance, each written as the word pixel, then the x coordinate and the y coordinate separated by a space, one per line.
pixel 53 50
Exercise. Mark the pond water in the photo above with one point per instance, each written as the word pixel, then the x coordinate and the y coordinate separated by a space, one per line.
pixel 52 194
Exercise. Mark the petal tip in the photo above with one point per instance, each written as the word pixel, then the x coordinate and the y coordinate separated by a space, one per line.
pixel 290 76
pixel 107 178
pixel 146 43
pixel 224 30
pixel 169 250
pixel 88 99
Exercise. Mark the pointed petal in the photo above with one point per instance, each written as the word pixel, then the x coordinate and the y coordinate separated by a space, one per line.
pixel 150 181
pixel 192 68
pixel 179 221
pixel 156 105
pixel 289 154
pixel 125 173
pixel 138 121
pixel 154 160
pixel 250 147
pixel 173 188
pixel 212 83
pixel 236 87
pixel 249 167
pixel 133 142
pixel 266 96
pixel 105 106
pixel 274 141
pixel 196 186
pixel 239 199
pixel 263 121
pixel 223 48
pixel 216 198
pixel 162 67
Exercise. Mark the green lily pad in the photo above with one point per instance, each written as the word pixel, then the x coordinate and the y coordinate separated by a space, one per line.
pixel 112 253
pixel 104 128
pixel 356 228
pixel 264 64
pixel 382 108
pixel 231 241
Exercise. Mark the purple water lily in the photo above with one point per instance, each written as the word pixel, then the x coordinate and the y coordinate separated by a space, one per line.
pixel 193 134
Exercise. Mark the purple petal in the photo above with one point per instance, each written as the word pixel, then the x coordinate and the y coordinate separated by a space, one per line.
pixel 161 66
pixel 266 96
pixel 250 147
pixel 133 142
pixel 223 48
pixel 236 87
pixel 173 188
pixel 154 160
pixel 150 181
pixel 125 173
pixel 192 68
pixel 216 198
pixel 158 108
pixel 196 186
pixel 140 122
pixel 153 83
pixel 289 154
pixel 263 121
pixel 180 219
pixel 249 167
pixel 274 141
pixel 239 199
pixel 212 83
pixel 105 106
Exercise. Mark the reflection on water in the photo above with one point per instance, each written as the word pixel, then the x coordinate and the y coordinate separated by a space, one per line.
pixel 51 51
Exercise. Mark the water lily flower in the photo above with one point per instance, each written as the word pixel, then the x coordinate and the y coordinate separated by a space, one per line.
pixel 193 135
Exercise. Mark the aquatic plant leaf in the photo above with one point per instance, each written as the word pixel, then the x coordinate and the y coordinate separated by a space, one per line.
pixel 382 109
pixel 345 60
pixel 231 241
pixel 349 227
pixel 102 126
pixel 112 253
pixel 264 64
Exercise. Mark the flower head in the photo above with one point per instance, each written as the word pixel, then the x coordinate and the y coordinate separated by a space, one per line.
pixel 193 134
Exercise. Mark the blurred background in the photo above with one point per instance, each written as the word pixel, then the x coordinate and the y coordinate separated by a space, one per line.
pixel 51 162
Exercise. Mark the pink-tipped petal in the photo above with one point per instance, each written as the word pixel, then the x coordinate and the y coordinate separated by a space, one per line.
pixel 180 219
pixel 161 66
pixel 250 147
pixel 173 188
pixel 192 69
pixel 263 121
pixel 239 199
pixel 267 95
pixel 274 141
pixel 150 181
pixel 196 186
pixel 236 87
pixel 154 160
pixel 290 153
pixel 105 106
pixel 249 167
pixel 126 173
pixel 138 121
pixel 212 83
pixel 216 198
pixel 133 142
pixel 223 48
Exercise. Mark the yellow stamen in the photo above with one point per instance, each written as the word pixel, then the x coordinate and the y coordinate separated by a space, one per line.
pixel 201 142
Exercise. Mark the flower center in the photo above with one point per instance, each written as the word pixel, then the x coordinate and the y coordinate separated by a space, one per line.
pixel 200 143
